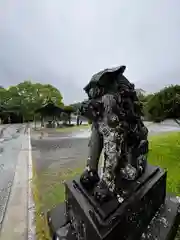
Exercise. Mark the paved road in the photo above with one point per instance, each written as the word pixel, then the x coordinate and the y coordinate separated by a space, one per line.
pixel 58 151
pixel 167 126
pixel 10 145
pixel 18 222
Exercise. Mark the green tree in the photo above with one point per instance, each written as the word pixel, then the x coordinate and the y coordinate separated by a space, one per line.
pixel 76 107
pixel 140 94
pixel 4 96
pixel 24 98
pixel 48 92
pixel 165 104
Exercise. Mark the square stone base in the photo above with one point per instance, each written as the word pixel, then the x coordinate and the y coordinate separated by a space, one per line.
pixel 114 219
pixel 144 212
pixel 163 226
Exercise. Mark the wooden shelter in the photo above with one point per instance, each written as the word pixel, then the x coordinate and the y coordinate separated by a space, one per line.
pixel 48 110
pixel 55 112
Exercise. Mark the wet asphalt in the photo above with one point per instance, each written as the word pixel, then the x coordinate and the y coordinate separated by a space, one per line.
pixel 68 150
pixel 10 145
pixel 58 152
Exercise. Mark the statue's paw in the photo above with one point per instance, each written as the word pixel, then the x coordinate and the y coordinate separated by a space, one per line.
pixel 89 179
pixel 102 193
pixel 129 172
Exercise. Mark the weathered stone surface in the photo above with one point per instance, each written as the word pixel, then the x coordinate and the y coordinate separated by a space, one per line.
pixel 117 129
pixel 142 215
pixel 165 223
pixel 162 227
pixel 131 215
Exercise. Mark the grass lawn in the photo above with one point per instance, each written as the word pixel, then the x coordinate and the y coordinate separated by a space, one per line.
pixel 48 187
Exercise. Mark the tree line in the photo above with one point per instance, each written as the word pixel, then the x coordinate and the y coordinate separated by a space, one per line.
pixel 26 97
pixel 161 105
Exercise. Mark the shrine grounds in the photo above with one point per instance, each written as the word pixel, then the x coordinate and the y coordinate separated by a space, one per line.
pixel 65 157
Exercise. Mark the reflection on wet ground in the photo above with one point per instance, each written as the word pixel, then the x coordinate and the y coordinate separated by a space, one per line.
pixel 60 150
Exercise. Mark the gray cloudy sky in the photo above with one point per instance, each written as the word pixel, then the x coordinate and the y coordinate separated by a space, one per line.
pixel 65 42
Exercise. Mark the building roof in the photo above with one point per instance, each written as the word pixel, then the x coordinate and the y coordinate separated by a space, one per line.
pixel 49 109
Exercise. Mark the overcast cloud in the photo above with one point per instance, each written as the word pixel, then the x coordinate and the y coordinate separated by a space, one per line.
pixel 65 42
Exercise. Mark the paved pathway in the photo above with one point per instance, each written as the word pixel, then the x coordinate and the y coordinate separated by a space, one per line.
pixel 14 173
pixel 10 146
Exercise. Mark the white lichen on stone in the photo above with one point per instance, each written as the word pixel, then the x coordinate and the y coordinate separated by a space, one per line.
pixel 164 221
pixel 143 235
pixel 178 199
pixel 120 199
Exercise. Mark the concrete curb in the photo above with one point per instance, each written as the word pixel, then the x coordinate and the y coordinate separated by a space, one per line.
pixel 31 204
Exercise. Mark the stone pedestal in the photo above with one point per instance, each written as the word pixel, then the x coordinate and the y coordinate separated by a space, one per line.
pixel 143 211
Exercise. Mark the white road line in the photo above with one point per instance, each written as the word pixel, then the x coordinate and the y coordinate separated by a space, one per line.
pixel 31 204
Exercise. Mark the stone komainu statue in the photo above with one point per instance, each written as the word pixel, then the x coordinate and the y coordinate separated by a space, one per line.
pixel 117 128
